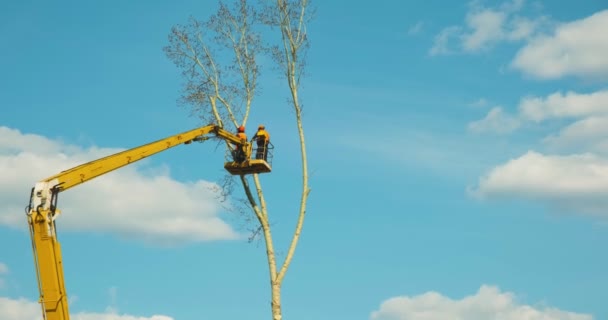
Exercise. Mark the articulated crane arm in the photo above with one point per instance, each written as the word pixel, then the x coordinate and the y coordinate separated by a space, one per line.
pixel 42 211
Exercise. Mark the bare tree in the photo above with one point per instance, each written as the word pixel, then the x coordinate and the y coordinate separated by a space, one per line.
pixel 222 91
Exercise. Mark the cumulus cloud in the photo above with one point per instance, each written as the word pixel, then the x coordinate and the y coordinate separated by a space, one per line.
pixel 19 309
pixel 551 49
pixel 495 121
pixel 587 134
pixel 522 28
pixel 564 105
pixel 578 48
pixel 23 309
pixel 479 103
pixel 570 104
pixel 575 182
pixel 3 271
pixel 136 202
pixel 484 27
pixel 488 303
pixel 416 28
pixel 441 43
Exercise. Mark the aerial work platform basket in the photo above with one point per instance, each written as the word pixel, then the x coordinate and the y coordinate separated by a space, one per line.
pixel 257 160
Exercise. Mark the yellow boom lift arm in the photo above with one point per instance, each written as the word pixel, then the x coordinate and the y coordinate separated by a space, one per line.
pixel 42 209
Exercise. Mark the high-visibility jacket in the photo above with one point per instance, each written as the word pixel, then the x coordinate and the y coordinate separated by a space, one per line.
pixel 262 136
pixel 242 136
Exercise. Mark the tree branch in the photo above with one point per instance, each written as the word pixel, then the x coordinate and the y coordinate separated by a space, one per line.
pixel 291 56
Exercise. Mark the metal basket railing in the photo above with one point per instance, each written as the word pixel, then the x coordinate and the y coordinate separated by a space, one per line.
pixel 257 153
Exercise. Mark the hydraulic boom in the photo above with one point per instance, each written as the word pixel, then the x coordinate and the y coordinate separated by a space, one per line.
pixel 42 209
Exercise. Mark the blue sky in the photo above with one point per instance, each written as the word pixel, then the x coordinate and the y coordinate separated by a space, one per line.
pixel 458 150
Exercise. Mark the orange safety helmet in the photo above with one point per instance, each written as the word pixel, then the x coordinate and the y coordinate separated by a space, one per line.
pixel 241 129
pixel 261 127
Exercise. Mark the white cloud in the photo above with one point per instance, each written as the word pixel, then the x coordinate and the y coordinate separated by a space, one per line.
pixel 577 48
pixel 485 27
pixel 590 134
pixel 415 29
pixel 19 309
pixel 537 109
pixel 3 271
pixel 495 121
pixel 113 295
pixel 441 41
pixel 23 309
pixel 488 303
pixel 131 202
pixel 576 182
pixel 560 105
pixel 523 28
pixel 573 182
pixel 479 103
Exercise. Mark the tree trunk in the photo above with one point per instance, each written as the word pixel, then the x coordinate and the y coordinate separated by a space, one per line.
pixel 209 92
pixel 276 300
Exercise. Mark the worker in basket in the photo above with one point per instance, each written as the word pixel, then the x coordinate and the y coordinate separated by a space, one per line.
pixel 262 139
pixel 239 151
